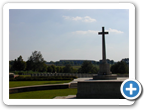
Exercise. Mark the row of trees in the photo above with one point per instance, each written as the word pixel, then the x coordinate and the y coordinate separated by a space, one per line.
pixel 120 67
pixel 87 67
pixel 66 69
pixel 74 63
pixel 18 64
pixel 36 63
pixel 61 63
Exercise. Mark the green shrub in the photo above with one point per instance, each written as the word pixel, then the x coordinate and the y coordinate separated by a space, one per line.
pixel 11 75
pixel 12 79
pixel 20 73
pixel 120 67
pixel 16 72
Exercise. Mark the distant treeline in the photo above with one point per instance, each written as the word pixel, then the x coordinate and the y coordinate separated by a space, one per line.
pixel 36 63
pixel 77 62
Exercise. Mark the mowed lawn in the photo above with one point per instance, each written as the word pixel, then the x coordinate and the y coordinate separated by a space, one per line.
pixel 29 83
pixel 44 94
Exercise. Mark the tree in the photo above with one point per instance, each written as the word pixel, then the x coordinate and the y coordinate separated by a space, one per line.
pixel 54 68
pixel 80 70
pixel 111 62
pixel 29 65
pixel 15 65
pixel 36 61
pixel 123 67
pixel 57 69
pixel 57 63
pixel 94 70
pixel 52 62
pixel 87 67
pixel 61 69
pixel 75 70
pixel 19 64
pixel 49 69
pixel 11 63
pixel 36 57
pixel 10 67
pixel 43 67
pixel 68 69
pixel 120 67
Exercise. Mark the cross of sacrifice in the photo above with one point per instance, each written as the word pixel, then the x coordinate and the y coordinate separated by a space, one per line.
pixel 103 44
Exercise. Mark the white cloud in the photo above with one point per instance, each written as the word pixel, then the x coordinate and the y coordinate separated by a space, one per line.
pixel 96 32
pixel 85 32
pixel 115 31
pixel 88 19
pixel 78 18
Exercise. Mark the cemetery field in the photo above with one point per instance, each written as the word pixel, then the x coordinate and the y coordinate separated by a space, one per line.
pixel 74 66
pixel 44 94
pixel 29 83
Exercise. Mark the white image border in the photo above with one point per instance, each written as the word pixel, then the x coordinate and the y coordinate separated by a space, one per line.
pixel 8 6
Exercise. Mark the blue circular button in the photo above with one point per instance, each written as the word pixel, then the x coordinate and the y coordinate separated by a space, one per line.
pixel 130 89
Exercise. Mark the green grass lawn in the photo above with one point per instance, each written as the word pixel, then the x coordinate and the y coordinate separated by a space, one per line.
pixel 44 94
pixel 29 83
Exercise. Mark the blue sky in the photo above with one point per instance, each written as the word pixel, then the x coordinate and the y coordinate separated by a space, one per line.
pixel 68 33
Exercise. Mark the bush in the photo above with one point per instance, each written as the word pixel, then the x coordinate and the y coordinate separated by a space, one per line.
pixel 12 79
pixel 15 72
pixel 20 73
pixel 120 67
pixel 11 75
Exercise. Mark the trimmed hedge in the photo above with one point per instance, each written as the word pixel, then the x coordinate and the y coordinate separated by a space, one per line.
pixel 42 78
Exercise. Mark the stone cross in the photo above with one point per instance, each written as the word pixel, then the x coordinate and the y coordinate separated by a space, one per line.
pixel 103 44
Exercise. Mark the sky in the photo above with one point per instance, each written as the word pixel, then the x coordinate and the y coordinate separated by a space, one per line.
pixel 70 34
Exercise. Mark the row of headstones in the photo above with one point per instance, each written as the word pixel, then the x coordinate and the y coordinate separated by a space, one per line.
pixel 63 74
pixel 51 74
pixel 84 75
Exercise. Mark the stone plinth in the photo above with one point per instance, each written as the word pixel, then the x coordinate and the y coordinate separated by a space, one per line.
pixel 99 89
pixel 104 73
pixel 105 77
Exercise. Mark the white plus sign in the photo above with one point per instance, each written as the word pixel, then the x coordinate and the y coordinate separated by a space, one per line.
pixel 131 89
